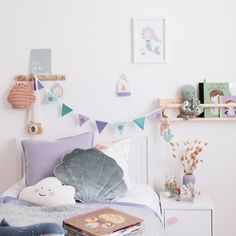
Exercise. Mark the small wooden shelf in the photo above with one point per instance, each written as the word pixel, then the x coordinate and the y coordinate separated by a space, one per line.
pixel 202 119
pixel 40 77
pixel 176 103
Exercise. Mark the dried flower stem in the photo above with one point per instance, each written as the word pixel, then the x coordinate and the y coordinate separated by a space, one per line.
pixel 189 155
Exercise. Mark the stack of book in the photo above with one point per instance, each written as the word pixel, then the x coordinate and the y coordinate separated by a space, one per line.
pixel 217 93
pixel 103 222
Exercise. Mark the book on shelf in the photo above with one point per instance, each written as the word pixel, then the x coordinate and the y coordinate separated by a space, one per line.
pixel 102 222
pixel 212 94
pixel 201 96
pixel 232 88
pixel 228 112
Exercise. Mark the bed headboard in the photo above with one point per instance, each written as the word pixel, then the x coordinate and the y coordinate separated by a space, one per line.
pixel 141 156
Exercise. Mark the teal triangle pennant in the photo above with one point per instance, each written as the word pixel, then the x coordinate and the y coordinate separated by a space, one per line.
pixel 51 98
pixel 140 122
pixel 65 110
pixel 120 126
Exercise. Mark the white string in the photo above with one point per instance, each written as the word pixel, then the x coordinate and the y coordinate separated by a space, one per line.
pixel 38 98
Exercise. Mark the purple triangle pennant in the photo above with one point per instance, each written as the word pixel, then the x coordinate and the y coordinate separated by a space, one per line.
pixel 82 119
pixel 39 84
pixel 101 125
pixel 158 115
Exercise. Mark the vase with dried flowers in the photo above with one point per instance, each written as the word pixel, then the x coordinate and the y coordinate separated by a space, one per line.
pixel 188 153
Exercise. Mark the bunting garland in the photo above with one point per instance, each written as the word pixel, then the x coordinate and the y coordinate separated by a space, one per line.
pixel 120 126
pixel 158 115
pixel 140 122
pixel 65 110
pixel 82 119
pixel 51 98
pixel 39 85
pixel 101 125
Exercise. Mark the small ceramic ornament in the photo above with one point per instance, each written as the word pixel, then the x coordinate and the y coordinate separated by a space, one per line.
pixel 57 90
pixel 123 87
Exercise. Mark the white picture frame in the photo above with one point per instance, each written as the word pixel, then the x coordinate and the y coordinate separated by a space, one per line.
pixel 149 40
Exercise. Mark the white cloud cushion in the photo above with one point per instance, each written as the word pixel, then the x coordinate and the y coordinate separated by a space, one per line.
pixel 119 151
pixel 48 192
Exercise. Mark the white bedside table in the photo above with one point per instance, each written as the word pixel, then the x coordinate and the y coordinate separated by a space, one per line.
pixel 183 218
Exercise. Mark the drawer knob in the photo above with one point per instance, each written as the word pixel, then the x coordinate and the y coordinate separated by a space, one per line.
pixel 172 220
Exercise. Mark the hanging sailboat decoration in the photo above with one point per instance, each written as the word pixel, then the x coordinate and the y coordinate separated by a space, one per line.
pixel 123 87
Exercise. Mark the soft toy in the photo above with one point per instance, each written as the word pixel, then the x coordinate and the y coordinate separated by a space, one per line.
pixel 48 192
pixel 191 106
pixel 166 131
pixel 36 230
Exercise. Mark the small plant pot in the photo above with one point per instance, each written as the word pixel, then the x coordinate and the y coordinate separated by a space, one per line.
pixel 189 178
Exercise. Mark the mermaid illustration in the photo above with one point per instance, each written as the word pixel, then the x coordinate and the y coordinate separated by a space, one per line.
pixel 151 42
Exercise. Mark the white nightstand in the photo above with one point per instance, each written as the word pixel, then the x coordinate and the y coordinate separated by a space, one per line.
pixel 183 218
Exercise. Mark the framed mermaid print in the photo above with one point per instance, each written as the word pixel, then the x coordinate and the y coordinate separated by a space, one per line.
pixel 149 40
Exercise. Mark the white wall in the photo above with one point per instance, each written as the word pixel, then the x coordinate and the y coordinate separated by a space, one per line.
pixel 91 44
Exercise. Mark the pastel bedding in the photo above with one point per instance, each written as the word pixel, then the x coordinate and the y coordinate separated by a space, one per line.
pixel 19 215
pixel 97 178
pixel 140 199
pixel 138 194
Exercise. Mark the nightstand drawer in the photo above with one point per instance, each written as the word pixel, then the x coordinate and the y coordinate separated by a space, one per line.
pixel 188 222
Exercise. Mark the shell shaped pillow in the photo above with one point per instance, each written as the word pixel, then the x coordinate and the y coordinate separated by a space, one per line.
pixel 48 192
pixel 94 175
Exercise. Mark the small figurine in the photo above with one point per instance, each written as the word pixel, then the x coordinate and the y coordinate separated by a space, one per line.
pixel 191 106
pixel 166 131
pixel 170 184
pixel 177 191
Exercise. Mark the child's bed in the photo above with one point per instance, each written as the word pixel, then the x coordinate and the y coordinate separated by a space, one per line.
pixel 139 200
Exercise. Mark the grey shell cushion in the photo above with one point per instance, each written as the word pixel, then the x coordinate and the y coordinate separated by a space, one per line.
pixel 94 175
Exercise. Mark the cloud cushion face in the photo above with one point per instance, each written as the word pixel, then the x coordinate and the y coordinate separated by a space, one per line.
pixel 48 192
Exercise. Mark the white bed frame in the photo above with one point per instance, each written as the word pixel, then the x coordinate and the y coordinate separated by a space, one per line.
pixel 141 159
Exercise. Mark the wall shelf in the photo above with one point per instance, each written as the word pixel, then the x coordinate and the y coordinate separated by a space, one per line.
pixel 202 119
pixel 40 77
pixel 171 103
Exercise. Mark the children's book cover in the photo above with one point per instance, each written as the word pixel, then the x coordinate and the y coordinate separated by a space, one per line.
pixel 212 93
pixel 228 112
pixel 101 222
pixel 201 95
